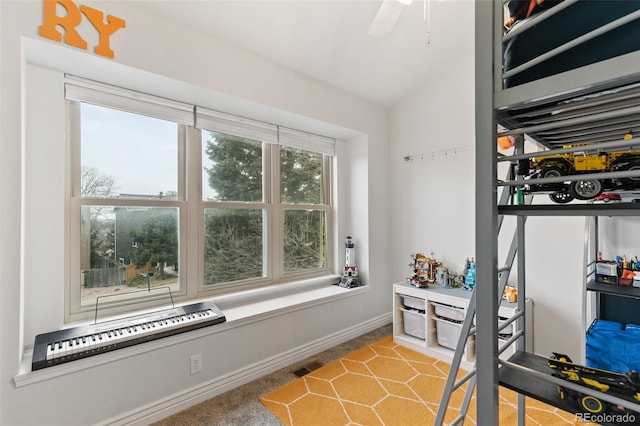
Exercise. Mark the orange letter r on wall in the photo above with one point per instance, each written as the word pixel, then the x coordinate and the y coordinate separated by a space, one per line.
pixel 68 22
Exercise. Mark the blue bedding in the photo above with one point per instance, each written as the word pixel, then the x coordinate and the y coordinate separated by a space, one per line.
pixel 613 346
pixel 563 25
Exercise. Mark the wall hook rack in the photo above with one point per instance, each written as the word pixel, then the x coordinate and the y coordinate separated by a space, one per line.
pixel 444 153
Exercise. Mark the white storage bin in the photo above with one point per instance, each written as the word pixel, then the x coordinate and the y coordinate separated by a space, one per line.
pixel 448 311
pixel 414 323
pixel 508 330
pixel 607 268
pixel 413 302
pixel 447 332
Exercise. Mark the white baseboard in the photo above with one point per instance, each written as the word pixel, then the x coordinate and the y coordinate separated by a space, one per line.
pixel 179 401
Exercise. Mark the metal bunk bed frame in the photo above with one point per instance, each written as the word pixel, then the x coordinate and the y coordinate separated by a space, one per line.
pixel 491 102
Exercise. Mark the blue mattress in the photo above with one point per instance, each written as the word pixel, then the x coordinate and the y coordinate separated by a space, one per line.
pixel 566 24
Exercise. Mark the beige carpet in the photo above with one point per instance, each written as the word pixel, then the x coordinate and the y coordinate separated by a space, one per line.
pixel 387 384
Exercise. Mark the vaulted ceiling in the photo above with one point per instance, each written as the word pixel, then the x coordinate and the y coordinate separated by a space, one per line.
pixel 327 39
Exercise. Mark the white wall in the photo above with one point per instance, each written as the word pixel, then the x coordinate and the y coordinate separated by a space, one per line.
pixel 158 56
pixel 621 238
pixel 433 200
pixel 554 280
pixel 433 194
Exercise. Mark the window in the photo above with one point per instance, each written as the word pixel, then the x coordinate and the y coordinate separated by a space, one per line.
pixel 232 173
pixel 172 196
pixel 302 195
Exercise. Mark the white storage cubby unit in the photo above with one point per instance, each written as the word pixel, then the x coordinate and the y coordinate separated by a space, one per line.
pixel 422 321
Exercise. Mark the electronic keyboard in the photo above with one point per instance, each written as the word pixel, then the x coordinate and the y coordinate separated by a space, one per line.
pixel 58 347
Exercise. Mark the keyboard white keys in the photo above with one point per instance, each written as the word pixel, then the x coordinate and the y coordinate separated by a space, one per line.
pixel 70 344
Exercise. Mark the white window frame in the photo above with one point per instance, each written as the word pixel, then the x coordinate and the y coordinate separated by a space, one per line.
pixel 189 199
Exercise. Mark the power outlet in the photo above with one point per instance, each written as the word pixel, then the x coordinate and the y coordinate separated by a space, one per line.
pixel 196 364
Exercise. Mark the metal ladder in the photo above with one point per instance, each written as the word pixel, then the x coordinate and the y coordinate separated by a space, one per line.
pixel 468 330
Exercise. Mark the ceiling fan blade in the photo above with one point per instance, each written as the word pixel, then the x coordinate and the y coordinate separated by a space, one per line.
pixel 386 17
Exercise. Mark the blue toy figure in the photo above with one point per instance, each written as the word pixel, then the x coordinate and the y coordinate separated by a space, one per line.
pixel 470 277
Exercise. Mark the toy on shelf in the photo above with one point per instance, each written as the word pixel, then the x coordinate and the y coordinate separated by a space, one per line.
pixel 442 275
pixel 469 275
pixel 447 278
pixel 424 270
pixel 510 294
pixel 350 276
pixel 587 161
pixel 429 271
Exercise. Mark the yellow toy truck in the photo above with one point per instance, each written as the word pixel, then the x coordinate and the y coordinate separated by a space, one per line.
pixel 587 161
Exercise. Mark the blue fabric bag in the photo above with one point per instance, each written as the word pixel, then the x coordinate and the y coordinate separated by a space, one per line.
pixel 613 346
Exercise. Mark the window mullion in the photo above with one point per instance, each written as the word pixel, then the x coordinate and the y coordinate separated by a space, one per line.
pixel 193 277
pixel 267 216
pixel 328 180
pixel 73 299
pixel 276 236
pixel 74 139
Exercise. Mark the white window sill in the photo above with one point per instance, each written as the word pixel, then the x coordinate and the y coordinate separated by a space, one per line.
pixel 239 309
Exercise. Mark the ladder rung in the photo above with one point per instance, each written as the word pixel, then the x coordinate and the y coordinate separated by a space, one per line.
pixel 510 341
pixel 458 420
pixel 463 380
pixel 508 321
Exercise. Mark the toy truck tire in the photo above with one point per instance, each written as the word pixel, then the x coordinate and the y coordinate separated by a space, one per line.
pixel 551 171
pixel 590 403
pixel 561 197
pixel 634 180
pixel 586 189
pixel 560 164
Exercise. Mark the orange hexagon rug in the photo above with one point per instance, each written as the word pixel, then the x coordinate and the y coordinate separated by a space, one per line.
pixel 385 384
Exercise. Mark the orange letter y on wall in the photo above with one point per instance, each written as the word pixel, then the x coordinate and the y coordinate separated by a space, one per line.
pixel 68 22
pixel 105 30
